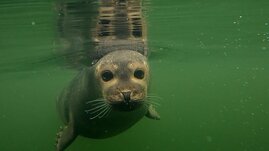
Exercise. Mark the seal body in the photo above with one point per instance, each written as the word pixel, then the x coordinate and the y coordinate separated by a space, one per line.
pixel 80 102
pixel 110 95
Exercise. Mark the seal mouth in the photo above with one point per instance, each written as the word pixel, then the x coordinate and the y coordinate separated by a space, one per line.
pixel 126 106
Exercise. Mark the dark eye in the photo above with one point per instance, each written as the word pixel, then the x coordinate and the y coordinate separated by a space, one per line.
pixel 107 75
pixel 139 74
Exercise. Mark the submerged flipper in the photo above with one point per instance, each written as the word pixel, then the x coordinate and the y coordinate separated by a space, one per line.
pixel 65 136
pixel 152 113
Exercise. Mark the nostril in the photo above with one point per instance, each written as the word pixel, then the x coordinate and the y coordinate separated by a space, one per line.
pixel 126 95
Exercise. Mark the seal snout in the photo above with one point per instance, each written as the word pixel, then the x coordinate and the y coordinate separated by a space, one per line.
pixel 126 96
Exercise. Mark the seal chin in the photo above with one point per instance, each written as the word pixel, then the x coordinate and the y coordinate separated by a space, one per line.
pixel 127 105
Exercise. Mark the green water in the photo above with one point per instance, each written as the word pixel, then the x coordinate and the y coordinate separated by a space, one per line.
pixel 209 62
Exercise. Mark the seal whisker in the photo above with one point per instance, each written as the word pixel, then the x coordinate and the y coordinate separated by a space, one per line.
pixel 107 110
pixel 97 100
pixel 97 103
pixel 153 102
pixel 154 97
pixel 99 109
pixel 100 99
pixel 148 102
pixel 96 108
pixel 110 109
pixel 101 112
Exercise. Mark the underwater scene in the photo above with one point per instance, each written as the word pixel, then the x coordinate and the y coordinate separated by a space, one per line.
pixel 209 72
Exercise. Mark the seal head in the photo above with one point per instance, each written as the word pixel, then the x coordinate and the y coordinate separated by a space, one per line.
pixel 123 77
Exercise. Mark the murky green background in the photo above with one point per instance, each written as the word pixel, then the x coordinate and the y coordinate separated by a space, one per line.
pixel 210 66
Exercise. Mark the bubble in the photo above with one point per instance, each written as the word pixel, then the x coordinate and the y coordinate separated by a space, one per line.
pixel 209 139
pixel 3 116
pixel 245 84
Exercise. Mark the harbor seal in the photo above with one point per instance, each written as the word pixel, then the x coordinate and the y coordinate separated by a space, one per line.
pixel 109 96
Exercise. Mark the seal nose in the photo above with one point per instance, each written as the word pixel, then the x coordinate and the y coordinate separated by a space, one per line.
pixel 127 96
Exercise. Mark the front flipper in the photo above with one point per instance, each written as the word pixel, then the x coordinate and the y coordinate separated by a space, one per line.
pixel 152 113
pixel 65 137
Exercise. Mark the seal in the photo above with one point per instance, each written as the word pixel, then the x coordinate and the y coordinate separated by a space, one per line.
pixel 109 96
